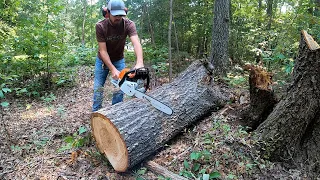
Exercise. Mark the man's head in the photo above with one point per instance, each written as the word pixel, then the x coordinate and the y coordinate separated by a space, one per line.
pixel 117 10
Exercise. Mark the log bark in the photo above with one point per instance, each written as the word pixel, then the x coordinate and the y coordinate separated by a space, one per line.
pixel 130 131
pixel 291 132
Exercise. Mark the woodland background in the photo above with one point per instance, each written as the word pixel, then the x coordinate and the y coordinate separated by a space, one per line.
pixel 43 41
pixel 48 49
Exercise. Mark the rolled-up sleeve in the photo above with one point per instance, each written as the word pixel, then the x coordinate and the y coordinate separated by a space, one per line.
pixel 132 29
pixel 99 33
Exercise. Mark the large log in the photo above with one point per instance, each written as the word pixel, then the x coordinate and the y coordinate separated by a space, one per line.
pixel 130 131
pixel 291 132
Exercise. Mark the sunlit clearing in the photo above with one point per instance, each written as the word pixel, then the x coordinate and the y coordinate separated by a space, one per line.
pixel 35 114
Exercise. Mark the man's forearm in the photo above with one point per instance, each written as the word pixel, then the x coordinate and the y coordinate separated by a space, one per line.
pixel 106 60
pixel 139 54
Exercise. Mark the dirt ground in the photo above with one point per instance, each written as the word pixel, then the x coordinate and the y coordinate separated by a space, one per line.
pixel 33 131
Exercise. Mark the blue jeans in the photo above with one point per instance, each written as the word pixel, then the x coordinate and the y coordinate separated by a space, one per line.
pixel 100 76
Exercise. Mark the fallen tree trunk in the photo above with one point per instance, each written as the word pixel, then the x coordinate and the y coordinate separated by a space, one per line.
pixel 291 132
pixel 129 132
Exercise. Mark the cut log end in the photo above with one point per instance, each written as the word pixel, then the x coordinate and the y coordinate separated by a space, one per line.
pixel 110 142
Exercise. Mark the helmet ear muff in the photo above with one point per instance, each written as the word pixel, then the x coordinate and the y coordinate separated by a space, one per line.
pixel 105 12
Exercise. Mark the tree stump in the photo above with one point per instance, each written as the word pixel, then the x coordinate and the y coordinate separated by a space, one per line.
pixel 130 131
pixel 291 133
pixel 262 97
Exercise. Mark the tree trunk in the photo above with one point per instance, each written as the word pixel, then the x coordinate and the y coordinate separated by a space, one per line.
pixel 129 132
pixel 291 132
pixel 220 37
pixel 259 11
pixel 84 22
pixel 269 13
pixel 169 42
pixel 176 37
pixel 262 98
pixel 317 8
pixel 150 26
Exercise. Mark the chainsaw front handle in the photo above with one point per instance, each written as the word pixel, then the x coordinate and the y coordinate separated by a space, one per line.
pixel 135 74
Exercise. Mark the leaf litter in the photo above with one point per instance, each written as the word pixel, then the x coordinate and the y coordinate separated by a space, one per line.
pixel 33 131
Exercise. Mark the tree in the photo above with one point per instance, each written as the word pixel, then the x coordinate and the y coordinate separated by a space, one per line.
pixel 317 8
pixel 85 4
pixel 269 13
pixel 169 42
pixel 220 37
pixel 291 131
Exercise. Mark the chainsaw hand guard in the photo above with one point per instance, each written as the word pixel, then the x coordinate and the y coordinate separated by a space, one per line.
pixel 136 74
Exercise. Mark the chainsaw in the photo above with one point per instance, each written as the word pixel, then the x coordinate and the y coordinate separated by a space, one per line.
pixel 135 83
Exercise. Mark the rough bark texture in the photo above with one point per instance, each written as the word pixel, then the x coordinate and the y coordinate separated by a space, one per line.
pixel 262 97
pixel 144 129
pixel 291 132
pixel 220 37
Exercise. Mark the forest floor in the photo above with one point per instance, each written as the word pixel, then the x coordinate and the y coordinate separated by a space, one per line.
pixel 33 143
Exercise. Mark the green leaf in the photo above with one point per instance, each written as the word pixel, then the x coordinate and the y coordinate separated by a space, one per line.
pixel 202 171
pixel 1 94
pixel 67 147
pixel 186 164
pixel 4 104
pixel 80 142
pixel 206 154
pixel 24 90
pixel 196 167
pixel 5 90
pixel 142 171
pixel 61 81
pixel 195 155
pixel 281 56
pixel 205 177
pixel 215 175
pixel 249 166
pixel 69 139
pixel 231 176
pixel 288 69
pixel 187 174
pixel 82 130
pixel 15 148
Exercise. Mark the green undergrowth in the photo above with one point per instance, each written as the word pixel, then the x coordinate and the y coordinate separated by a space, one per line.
pixel 223 153
pixel 227 151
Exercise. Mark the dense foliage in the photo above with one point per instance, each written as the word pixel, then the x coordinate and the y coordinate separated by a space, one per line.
pixel 42 41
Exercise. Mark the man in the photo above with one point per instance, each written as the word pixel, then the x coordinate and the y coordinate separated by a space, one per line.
pixel 111 35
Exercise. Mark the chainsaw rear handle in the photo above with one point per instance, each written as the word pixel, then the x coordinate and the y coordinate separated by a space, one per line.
pixel 140 73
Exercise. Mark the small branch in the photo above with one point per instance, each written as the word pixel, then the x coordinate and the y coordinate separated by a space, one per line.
pixel 225 109
pixel 156 168
pixel 182 154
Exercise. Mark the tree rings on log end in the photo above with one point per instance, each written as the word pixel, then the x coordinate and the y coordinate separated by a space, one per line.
pixel 110 142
